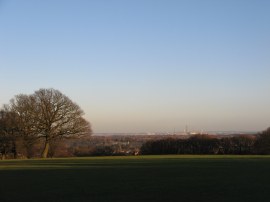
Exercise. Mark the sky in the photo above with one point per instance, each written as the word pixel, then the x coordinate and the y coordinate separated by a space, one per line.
pixel 143 65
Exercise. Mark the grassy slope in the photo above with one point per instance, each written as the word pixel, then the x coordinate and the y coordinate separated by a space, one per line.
pixel 146 178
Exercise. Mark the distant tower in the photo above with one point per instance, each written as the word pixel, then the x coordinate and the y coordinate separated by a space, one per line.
pixel 186 129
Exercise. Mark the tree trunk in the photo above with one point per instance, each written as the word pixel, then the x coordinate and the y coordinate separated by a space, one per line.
pixel 29 151
pixel 14 150
pixel 3 156
pixel 46 150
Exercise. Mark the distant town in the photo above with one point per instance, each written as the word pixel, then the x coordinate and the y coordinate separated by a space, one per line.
pixel 184 133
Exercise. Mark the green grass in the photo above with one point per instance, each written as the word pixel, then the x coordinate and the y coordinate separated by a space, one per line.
pixel 146 178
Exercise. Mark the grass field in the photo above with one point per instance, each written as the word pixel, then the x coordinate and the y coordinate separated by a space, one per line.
pixel 144 178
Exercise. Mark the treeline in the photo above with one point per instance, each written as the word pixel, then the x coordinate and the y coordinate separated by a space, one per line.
pixel 206 144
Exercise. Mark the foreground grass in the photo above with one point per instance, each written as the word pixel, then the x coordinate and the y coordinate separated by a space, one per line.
pixel 146 178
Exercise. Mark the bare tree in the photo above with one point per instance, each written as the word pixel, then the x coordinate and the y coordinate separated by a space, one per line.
pixel 8 132
pixel 50 115
pixel 23 106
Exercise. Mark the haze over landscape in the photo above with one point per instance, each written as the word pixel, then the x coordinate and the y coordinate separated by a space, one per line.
pixel 143 66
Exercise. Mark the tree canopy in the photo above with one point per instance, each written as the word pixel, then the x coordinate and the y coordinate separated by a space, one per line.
pixel 49 115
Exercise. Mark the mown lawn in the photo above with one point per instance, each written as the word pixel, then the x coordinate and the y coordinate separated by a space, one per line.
pixel 145 178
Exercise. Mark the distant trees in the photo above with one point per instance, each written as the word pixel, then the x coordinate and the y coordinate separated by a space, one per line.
pixel 46 115
pixel 263 142
pixel 202 144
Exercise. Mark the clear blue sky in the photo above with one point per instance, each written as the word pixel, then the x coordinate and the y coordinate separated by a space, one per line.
pixel 143 65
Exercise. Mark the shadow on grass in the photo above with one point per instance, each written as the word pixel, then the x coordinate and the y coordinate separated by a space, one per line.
pixel 136 179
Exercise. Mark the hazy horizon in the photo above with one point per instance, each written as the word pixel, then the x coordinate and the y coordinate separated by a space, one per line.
pixel 143 66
